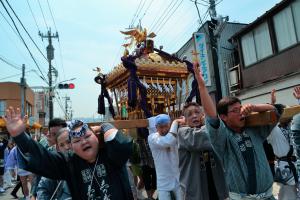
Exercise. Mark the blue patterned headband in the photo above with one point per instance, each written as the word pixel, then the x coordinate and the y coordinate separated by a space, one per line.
pixel 81 132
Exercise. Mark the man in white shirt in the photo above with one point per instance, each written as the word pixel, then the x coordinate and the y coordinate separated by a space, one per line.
pixel 163 145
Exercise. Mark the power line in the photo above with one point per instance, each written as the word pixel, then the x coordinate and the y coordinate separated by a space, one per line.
pixel 206 3
pixel 24 41
pixel 147 9
pixel 43 14
pixel 33 15
pixel 204 16
pixel 5 60
pixel 155 21
pixel 58 100
pixel 134 15
pixel 169 17
pixel 26 30
pixel 14 43
pixel 162 18
pixel 180 20
pixel 51 15
pixel 200 19
pixel 15 30
pixel 59 45
pixel 15 75
pixel 37 26
pixel 219 2
pixel 61 59
pixel 182 33
pixel 8 23
pixel 130 26
pixel 139 11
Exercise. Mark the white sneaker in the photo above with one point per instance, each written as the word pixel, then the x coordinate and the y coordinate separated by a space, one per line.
pixel 2 190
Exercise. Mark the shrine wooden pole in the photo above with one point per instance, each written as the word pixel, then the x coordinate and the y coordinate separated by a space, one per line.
pixel 117 103
pixel 255 119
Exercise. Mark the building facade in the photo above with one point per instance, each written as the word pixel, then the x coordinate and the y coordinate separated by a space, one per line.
pixel 10 95
pixel 41 107
pixel 268 58
pixel 219 86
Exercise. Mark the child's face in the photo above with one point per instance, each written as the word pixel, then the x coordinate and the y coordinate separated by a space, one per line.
pixel 86 146
pixel 63 142
pixel 193 116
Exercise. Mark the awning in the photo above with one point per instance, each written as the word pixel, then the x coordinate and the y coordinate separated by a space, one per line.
pixel 35 125
pixel 2 123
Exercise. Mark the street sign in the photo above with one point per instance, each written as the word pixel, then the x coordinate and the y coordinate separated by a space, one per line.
pixel 200 47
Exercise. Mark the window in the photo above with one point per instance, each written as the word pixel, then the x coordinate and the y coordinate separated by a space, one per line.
pixel 28 109
pixel 262 41
pixel 248 48
pixel 2 107
pixel 287 26
pixel 284 29
pixel 256 44
pixel 296 15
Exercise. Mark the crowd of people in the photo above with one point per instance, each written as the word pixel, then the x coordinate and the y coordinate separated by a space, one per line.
pixel 207 154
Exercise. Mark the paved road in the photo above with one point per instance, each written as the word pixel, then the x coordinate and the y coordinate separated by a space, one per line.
pixel 7 196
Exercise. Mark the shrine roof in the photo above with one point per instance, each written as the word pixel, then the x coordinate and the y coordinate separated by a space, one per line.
pixel 158 64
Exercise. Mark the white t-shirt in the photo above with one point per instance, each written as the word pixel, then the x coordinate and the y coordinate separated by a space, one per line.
pixel 165 154
pixel 280 144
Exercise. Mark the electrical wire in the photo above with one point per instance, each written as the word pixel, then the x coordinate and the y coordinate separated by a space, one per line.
pixel 188 29
pixel 58 100
pixel 130 26
pixel 43 14
pixel 147 9
pixel 179 20
pixel 5 60
pixel 161 19
pixel 26 31
pixel 206 3
pixel 24 41
pixel 14 43
pixel 169 17
pixel 33 15
pixel 139 11
pixel 219 2
pixel 51 15
pixel 200 19
pixel 155 21
pixel 135 14
pixel 12 28
pixel 15 75
pixel 59 45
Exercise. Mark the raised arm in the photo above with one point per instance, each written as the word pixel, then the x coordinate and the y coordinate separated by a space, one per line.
pixel 117 145
pixel 166 141
pixel 296 93
pixel 37 159
pixel 207 103
pixel 273 96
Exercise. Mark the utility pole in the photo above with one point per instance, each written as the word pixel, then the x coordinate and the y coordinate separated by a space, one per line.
pixel 23 88
pixel 67 99
pixel 212 8
pixel 219 23
pixel 50 57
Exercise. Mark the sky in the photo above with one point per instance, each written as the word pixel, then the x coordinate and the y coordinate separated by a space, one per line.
pixel 89 37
